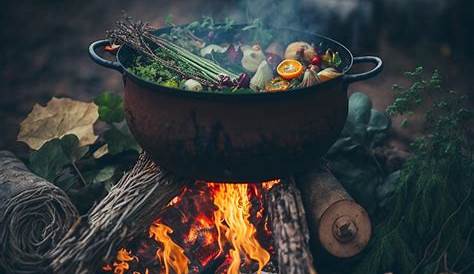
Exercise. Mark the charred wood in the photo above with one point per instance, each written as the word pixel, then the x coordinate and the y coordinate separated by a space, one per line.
pixel 289 229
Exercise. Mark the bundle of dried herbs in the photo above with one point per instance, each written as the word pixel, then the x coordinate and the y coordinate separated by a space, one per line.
pixel 170 57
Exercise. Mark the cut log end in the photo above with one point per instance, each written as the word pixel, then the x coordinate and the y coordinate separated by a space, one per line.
pixel 344 229
pixel 342 226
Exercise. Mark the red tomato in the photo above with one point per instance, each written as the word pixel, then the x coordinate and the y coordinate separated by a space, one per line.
pixel 316 60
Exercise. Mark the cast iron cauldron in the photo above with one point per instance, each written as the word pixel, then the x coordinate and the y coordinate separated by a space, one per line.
pixel 237 137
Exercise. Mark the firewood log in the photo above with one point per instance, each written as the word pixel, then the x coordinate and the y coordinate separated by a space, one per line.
pixel 342 226
pixel 125 213
pixel 34 216
pixel 289 229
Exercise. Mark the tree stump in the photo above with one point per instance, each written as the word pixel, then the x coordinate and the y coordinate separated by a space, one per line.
pixel 34 216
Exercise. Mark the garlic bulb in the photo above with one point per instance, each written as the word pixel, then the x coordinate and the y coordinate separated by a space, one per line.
pixel 252 57
pixel 192 85
pixel 212 48
pixel 310 77
pixel 328 74
pixel 263 75
pixel 300 50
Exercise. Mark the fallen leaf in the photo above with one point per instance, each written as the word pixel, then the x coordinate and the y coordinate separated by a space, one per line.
pixel 58 118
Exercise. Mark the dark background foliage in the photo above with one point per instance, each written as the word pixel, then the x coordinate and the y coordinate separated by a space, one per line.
pixel 43 48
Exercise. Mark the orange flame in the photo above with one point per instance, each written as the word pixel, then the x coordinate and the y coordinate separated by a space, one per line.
pixel 269 184
pixel 232 221
pixel 121 263
pixel 172 255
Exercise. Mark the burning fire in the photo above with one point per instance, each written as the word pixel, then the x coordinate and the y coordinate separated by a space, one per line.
pixel 122 261
pixel 171 255
pixel 232 221
pixel 225 229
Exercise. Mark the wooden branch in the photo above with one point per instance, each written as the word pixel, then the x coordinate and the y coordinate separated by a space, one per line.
pixel 341 225
pixel 34 216
pixel 125 213
pixel 289 229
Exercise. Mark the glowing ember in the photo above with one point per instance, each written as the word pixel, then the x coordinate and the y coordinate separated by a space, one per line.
pixel 232 221
pixel 172 255
pixel 269 184
pixel 217 229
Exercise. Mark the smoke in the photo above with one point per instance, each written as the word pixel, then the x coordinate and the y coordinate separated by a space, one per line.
pixel 345 20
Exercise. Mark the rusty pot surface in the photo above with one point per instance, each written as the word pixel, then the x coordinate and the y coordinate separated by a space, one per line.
pixel 237 137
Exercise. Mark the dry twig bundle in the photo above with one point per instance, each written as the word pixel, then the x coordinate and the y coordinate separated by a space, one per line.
pixel 124 214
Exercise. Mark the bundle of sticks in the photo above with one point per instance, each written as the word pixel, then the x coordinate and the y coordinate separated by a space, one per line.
pixel 322 210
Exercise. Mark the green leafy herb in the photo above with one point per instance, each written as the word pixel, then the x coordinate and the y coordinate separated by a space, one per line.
pixel 409 98
pixel 336 60
pixel 430 225
pixel 110 107
pixel 151 71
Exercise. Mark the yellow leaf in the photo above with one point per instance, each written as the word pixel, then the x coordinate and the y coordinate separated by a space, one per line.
pixel 58 118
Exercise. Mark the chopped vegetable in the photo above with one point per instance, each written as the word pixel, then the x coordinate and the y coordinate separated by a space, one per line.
pixel 301 51
pixel 289 69
pixel 331 59
pixel 252 57
pixel 328 74
pixel 263 75
pixel 208 50
pixel 171 83
pixel 276 85
pixel 316 60
pixel 310 77
pixel 192 85
pixel 226 57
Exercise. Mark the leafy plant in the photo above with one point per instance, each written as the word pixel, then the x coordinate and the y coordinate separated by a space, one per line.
pixel 352 159
pixel 84 172
pixel 430 226
pixel 110 107
pixel 409 98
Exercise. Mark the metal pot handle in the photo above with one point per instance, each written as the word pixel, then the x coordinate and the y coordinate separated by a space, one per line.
pixel 101 61
pixel 350 78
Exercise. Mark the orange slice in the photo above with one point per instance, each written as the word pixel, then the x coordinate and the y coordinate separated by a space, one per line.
pixel 289 69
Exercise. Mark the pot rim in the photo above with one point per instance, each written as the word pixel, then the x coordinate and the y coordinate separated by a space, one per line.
pixel 344 77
